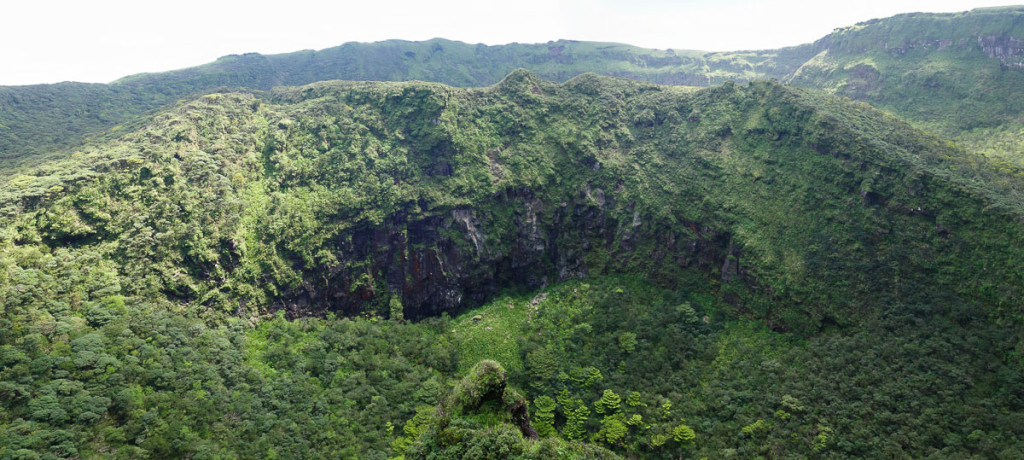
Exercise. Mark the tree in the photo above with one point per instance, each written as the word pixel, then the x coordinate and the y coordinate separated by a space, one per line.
pixel 542 365
pixel 635 400
pixel 413 428
pixel 821 441
pixel 576 419
pixel 683 434
pixel 627 342
pixel 397 312
pixel 585 376
pixel 612 429
pixel 792 404
pixel 609 403
pixel 544 417
pixel 755 428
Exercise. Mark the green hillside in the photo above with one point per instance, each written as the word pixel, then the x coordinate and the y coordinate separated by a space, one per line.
pixel 730 235
pixel 563 250
pixel 948 73
pixel 313 194
pixel 38 119
pixel 953 74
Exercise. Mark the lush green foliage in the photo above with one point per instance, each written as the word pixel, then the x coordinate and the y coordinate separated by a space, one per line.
pixel 38 119
pixel 230 203
pixel 137 381
pixel 170 290
pixel 920 381
pixel 954 74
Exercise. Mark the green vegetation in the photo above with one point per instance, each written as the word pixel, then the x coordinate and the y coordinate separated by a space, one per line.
pixel 950 73
pixel 30 114
pixel 145 383
pixel 598 268
pixel 953 74
pixel 916 382
pixel 233 205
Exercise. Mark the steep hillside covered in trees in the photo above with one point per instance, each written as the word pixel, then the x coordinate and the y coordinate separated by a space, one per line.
pixel 339 196
pixel 758 253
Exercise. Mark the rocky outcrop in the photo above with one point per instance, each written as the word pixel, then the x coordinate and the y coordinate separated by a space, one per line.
pixel 864 82
pixel 1009 50
pixel 487 382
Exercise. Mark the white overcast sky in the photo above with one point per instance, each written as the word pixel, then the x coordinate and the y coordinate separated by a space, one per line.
pixel 45 41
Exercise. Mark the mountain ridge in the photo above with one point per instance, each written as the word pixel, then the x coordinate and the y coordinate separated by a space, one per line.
pixel 73 111
pixel 440 191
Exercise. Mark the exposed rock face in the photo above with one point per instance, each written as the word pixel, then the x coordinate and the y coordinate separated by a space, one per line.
pixel 1009 50
pixel 457 259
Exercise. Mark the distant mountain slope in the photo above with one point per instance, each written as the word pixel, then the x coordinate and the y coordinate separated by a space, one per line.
pixel 439 60
pixel 39 118
pixel 959 75
pixel 951 73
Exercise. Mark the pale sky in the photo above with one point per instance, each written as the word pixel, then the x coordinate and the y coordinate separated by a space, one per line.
pixel 46 41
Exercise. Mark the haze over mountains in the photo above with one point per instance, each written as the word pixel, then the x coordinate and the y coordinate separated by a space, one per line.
pixel 572 249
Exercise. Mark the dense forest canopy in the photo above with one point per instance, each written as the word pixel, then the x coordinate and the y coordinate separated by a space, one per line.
pixel 240 260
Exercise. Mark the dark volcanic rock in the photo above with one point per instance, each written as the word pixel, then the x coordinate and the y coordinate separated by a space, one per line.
pixel 458 259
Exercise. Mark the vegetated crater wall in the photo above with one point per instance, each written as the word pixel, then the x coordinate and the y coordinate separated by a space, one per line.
pixel 461 257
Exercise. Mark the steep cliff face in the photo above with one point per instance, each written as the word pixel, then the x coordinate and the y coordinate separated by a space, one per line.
pixel 446 263
pixel 1009 50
